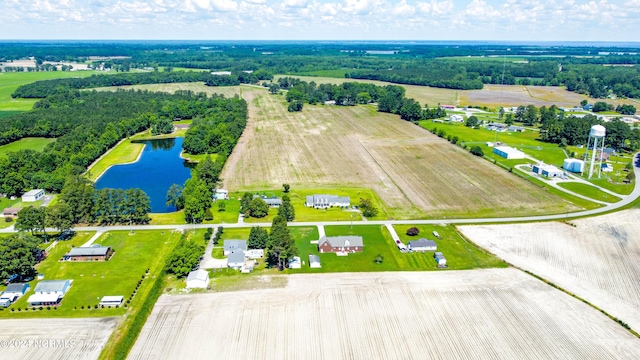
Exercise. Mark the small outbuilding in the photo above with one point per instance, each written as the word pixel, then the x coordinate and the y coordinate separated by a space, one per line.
pixel 423 245
pixel 235 260
pixel 314 261
pixel 221 194
pixel 33 195
pixel 10 211
pixel 440 259
pixel 295 263
pixel 49 292
pixel 5 302
pixel 254 253
pixel 234 246
pixel 456 118
pixel 508 152
pixel 111 301
pixel 549 171
pixel 198 279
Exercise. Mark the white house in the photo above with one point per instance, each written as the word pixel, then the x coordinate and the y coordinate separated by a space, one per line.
pixel 327 201
pixel 198 279
pixel 15 290
pixel 456 118
pixel 314 261
pixel 547 170
pixel 423 245
pixel 221 194
pixel 295 263
pixel 254 253
pixel 33 195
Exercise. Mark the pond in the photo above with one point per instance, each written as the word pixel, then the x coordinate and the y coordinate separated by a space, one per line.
pixel 158 167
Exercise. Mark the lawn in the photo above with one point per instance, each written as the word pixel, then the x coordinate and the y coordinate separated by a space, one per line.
pixel 588 191
pixel 197 158
pixel 525 141
pixel 10 81
pixel 303 213
pixel 91 280
pixel 124 152
pixel 37 144
pixel 377 241
pixel 230 215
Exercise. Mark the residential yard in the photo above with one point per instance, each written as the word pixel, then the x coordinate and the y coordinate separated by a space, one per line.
pixel 37 144
pixel 134 254
pixel 589 191
pixel 304 213
pixel 230 215
pixel 460 254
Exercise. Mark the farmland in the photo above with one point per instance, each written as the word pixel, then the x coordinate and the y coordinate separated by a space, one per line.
pixel 597 259
pixel 499 313
pixel 415 173
pixel 54 339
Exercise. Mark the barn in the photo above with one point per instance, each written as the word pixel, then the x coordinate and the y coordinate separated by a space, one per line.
pixel 508 152
pixel 573 165
pixel 89 253
pixel 49 292
pixel 549 171
pixel 33 195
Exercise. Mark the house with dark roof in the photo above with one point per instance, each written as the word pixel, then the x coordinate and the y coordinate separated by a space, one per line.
pixel 89 253
pixel 235 246
pixel 327 201
pixel 15 290
pixel 423 245
pixel 272 201
pixel 340 244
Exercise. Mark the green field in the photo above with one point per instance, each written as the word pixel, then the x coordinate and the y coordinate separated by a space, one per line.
pixel 230 215
pixel 10 81
pixel 589 191
pixel 124 152
pixel 37 144
pixel 337 73
pixel 134 254
pixel 303 213
pixel 377 241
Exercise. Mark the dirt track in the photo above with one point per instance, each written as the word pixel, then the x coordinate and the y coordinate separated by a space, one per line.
pixel 499 313
pixel 598 260
pixel 53 339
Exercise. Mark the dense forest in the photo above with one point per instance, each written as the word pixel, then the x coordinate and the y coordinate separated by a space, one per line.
pixel 591 70
pixel 88 123
pixel 390 98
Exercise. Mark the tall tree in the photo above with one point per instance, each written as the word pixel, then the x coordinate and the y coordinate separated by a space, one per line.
pixel 174 197
pixel 258 238
pixel 18 254
pixel 208 172
pixel 31 219
pixel 281 247
pixel 60 217
pixel 286 210
pixel 197 199
pixel 258 208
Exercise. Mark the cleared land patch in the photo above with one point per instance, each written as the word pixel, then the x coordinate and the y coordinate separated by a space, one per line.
pixel 37 144
pixel 415 173
pixel 597 260
pixel 500 313
pixel 54 339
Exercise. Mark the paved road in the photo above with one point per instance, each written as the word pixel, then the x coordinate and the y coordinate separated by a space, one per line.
pixel 626 200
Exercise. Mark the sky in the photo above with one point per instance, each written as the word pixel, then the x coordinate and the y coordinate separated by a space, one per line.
pixel 504 20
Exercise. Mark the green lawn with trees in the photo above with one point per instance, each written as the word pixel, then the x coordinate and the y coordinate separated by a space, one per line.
pixel 35 144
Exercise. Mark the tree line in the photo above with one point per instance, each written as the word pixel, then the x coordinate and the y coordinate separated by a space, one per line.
pixel 390 98
pixel 44 88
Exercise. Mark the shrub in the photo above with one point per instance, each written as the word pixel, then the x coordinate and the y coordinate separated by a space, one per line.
pixel 40 308
pixel 8 219
pixel 413 231
pixel 48 307
pixel 208 215
pixel 12 309
pixel 477 151
pixel 19 309
pixel 96 306
pixel 55 308
pixel 82 307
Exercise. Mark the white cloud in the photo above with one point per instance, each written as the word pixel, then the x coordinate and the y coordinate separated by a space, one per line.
pixel 358 6
pixel 403 9
pixel 224 5
pixel 294 3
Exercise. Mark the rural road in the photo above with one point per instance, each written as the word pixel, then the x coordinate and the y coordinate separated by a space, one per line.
pixel 626 200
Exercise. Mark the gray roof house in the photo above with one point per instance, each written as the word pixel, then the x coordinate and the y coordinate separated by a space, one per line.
pixel 326 201
pixel 235 246
pixel 89 251
pixel 423 245
pixel 340 243
pixel 272 201
pixel 53 286
pixel 235 260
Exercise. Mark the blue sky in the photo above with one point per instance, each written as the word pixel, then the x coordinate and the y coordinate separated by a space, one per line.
pixel 526 20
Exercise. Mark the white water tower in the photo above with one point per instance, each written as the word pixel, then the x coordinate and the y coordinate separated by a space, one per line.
pixel 595 143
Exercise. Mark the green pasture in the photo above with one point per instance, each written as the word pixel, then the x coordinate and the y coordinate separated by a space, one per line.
pixel 134 254
pixel 10 81
pixel 589 191
pixel 337 73
pixel 124 152
pixel 31 143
